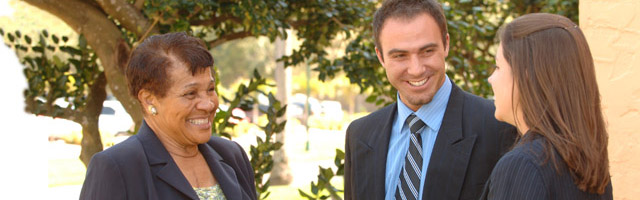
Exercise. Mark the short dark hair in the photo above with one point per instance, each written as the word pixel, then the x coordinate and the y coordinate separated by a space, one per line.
pixel 147 68
pixel 408 9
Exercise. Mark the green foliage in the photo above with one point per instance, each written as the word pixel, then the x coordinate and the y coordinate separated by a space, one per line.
pixel 472 29
pixel 324 180
pixel 55 70
pixel 243 99
pixel 261 153
pixel 237 58
pixel 261 157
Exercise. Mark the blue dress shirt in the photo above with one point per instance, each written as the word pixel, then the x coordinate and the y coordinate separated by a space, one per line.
pixel 431 114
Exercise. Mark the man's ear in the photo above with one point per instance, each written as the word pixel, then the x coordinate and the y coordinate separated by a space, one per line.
pixel 446 47
pixel 147 98
pixel 380 56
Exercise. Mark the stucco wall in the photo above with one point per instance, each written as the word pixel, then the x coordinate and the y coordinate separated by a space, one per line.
pixel 612 28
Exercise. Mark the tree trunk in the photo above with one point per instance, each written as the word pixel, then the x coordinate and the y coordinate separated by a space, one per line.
pixel 281 173
pixel 103 36
pixel 91 141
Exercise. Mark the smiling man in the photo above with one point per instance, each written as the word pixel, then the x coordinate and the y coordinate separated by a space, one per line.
pixel 436 141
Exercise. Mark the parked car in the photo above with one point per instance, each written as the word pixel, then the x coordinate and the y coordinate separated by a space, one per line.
pixel 114 119
pixel 238 114
pixel 332 108
pixel 296 106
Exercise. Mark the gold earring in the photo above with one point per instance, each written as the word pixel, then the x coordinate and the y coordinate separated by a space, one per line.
pixel 153 110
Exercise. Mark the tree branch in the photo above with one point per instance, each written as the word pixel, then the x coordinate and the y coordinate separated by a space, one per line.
pixel 229 37
pixel 139 4
pixel 31 104
pixel 128 15
pixel 216 20
pixel 103 36
pixel 298 23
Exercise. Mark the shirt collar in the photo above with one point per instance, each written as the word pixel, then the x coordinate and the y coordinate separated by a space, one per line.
pixel 429 112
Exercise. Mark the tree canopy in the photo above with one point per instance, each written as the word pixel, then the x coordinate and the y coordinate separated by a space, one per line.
pixel 82 73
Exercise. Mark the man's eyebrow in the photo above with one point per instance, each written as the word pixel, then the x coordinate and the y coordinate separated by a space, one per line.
pixel 427 46
pixel 392 51
pixel 424 47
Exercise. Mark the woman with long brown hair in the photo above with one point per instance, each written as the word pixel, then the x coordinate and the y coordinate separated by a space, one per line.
pixel 545 84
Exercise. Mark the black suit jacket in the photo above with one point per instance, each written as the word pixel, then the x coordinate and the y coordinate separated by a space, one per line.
pixel 141 168
pixel 525 173
pixel 468 145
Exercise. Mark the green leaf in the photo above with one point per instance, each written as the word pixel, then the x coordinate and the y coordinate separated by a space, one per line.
pixel 45 33
pixel 303 194
pixel 314 188
pixel 55 39
pixel 282 111
pixel 327 173
pixel 27 39
pixel 18 34
pixel 371 98
pixel 37 49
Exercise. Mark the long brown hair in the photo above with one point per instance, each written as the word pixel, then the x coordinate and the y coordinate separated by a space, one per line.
pixel 554 73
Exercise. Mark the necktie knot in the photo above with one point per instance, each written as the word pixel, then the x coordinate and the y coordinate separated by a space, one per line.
pixel 415 124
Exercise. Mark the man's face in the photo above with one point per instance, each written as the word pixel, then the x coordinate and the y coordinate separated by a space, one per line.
pixel 413 58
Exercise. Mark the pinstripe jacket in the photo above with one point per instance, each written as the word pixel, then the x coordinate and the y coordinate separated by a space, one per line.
pixel 468 145
pixel 523 174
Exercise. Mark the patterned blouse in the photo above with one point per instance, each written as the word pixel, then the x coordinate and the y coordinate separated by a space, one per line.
pixel 210 193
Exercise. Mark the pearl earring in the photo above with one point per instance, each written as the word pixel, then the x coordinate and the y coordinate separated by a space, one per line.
pixel 153 110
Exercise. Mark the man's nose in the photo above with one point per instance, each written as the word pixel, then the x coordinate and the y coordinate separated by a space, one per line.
pixel 415 66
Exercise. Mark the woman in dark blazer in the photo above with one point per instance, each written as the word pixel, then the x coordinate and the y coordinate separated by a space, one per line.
pixel 545 85
pixel 173 156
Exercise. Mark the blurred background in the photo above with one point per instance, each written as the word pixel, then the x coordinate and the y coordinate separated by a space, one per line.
pixel 316 57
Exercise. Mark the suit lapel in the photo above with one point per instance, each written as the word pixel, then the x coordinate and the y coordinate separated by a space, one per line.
pixel 373 151
pixel 224 173
pixel 162 165
pixel 451 153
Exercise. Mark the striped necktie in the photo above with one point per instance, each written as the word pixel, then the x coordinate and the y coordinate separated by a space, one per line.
pixel 408 187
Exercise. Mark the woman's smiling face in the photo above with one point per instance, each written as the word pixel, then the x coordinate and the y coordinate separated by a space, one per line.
pixel 187 110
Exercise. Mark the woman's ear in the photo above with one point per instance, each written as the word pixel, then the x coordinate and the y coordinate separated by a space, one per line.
pixel 147 99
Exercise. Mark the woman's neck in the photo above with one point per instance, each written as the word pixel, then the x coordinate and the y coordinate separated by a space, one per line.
pixel 173 146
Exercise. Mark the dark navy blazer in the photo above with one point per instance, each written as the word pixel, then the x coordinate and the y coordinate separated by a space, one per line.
pixel 141 168
pixel 468 145
pixel 526 173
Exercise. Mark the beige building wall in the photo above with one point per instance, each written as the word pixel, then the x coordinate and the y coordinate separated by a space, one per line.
pixel 612 28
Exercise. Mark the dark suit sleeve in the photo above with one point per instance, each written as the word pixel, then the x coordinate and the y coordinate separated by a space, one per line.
pixel 347 167
pixel 517 177
pixel 103 180
pixel 250 179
